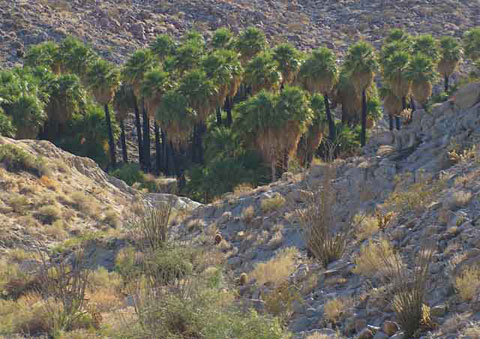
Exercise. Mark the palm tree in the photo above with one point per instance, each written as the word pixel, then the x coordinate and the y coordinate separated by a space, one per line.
pixel 451 54
pixel 223 67
pixel 427 45
pixel 262 73
pixel 155 84
pixel 421 72
pixel 202 96
pixel 361 63
pixel 391 102
pixel 289 60
pixel 123 103
pixel 312 139
pixel 471 42
pixel 273 124
pixel 251 42
pixel 319 74
pixel 75 56
pixel 67 96
pixel 134 71
pixel 7 129
pixel 163 46
pixel 344 93
pixel 103 79
pixel 398 35
pixel 45 54
pixel 222 39
pixel 394 72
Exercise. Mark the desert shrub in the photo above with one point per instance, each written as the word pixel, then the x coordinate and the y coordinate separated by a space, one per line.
pixel 111 218
pixel 130 173
pixel 280 300
pixel 467 283
pixel 277 269
pixel 19 203
pixel 334 308
pixel 150 228
pixel 317 219
pixel 272 204
pixel 366 226
pixel 248 214
pixel 48 214
pixel 15 159
pixel 371 260
pixel 168 264
pixel 84 204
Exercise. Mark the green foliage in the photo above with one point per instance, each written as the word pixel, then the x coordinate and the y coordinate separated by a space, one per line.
pixel 397 35
pixel 319 71
pixel 471 43
pixel 262 73
pixel 251 42
pixel 450 49
pixel 74 56
pixel 222 39
pixel 130 173
pixel 86 134
pixel 348 140
pixel 361 63
pixel 169 263
pixel 45 54
pixel 421 69
pixel 102 79
pixel 6 127
pixel 140 62
pixel 427 45
pixel 15 159
pixel 288 59
pixel 188 56
pixel 163 46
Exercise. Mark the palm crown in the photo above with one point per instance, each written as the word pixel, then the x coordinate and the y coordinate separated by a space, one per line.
pixel 103 78
pixel 262 73
pixel 362 64
pixel 318 74
pixel 251 42
pixel 289 61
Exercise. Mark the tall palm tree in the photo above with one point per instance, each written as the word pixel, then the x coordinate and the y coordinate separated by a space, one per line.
pixel 421 72
pixel 398 35
pixel 471 42
pixel 155 84
pixel 262 73
pixel 223 67
pixel 103 79
pixel 75 56
pixel 123 103
pixel 134 71
pixel 222 39
pixel 251 42
pixel 289 61
pixel 394 72
pixel 427 45
pixel 319 74
pixel 202 96
pixel 312 138
pixel 391 102
pixel 450 56
pixel 361 63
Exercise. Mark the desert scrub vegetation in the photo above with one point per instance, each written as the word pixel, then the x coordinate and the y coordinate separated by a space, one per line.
pixel 272 204
pixel 325 242
pixel 467 283
pixel 370 262
pixel 277 269
pixel 415 196
pixel 335 308
pixel 15 159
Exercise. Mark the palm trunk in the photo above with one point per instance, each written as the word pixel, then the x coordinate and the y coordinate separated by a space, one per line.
pixel 124 142
pixel 139 132
pixel 274 170
pixel 331 123
pixel 146 139
pixel 412 107
pixel 219 117
pixel 363 136
pixel 228 109
pixel 111 141
pixel 165 146
pixel 390 122
pixel 446 83
pixel 158 149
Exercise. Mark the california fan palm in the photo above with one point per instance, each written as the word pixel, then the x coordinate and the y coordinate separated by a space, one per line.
pixel 122 103
pixel 450 56
pixel 289 61
pixel 262 73
pixel 421 72
pixel 361 63
pixel 103 78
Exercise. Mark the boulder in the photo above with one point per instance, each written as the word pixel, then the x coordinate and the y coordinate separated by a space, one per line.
pixel 467 96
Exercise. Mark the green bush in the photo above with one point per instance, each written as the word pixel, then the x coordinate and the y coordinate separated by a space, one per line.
pixel 168 264
pixel 15 159
pixel 130 173
pixel 6 127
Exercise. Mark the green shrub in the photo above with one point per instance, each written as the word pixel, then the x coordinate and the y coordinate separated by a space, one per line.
pixel 130 173
pixel 168 264
pixel 15 159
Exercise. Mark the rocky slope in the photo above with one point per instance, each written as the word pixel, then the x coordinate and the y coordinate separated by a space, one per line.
pixel 117 27
pixel 71 197
pixel 426 174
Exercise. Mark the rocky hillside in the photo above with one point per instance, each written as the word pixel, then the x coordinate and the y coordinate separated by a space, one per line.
pixel 117 27
pixel 411 188
pixel 49 195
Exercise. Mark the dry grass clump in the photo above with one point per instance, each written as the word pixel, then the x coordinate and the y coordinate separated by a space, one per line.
pixel 195 224
pixel 112 219
pixel 415 197
pixel 19 203
pixel 277 269
pixel 48 214
pixel 366 225
pixel 272 204
pixel 280 301
pixel 318 336
pixel 57 230
pixel 16 159
pixel 242 189
pixel 84 204
pixel 335 308
pixel 467 283
pixel 318 220
pixel 48 183
pixel 458 200
pixel 371 260
pixel 248 214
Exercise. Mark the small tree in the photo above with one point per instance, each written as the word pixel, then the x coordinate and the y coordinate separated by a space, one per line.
pixel 262 73
pixel 471 43
pixel 451 55
pixel 421 72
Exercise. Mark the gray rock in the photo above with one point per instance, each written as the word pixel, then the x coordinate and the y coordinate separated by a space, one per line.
pixel 467 96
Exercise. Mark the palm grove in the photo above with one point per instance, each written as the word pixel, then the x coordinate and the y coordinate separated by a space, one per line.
pixel 222 112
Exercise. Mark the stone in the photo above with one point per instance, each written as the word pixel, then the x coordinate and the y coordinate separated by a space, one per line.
pixel 390 327
pixel 380 335
pixel 360 324
pixel 467 96
pixel 365 334
pixel 438 311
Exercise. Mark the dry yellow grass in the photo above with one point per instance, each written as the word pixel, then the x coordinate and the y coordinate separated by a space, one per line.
pixel 248 214
pixel 468 283
pixel 334 308
pixel 371 260
pixel 366 225
pixel 277 269
pixel 271 204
